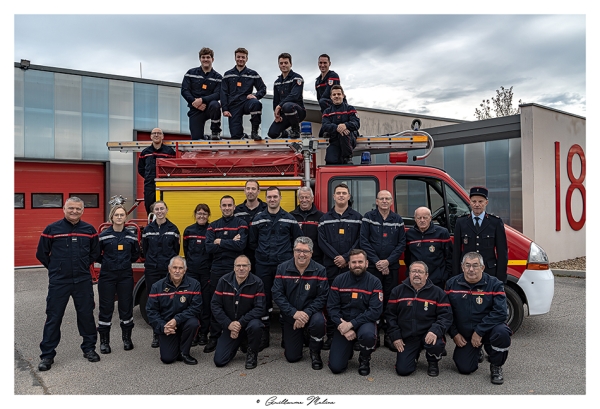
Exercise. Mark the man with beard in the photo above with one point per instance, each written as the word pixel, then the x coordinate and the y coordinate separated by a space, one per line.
pixel 355 303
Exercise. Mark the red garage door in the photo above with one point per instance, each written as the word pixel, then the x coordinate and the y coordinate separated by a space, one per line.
pixel 40 192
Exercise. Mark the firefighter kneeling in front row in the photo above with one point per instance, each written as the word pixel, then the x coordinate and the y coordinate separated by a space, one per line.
pixel 479 306
pixel 340 124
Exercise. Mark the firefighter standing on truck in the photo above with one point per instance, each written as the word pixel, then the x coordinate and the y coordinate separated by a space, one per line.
pixel 288 103
pixel 324 82
pixel 201 88
pixel 147 165
pixel 237 98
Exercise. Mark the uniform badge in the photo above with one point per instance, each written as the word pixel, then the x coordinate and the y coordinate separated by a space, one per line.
pixel 239 84
pixel 182 299
pixel 426 306
pixel 330 82
pixel 479 300
pixel 466 240
pixel 225 233
pixel 120 247
pixel 381 297
pixel 409 303
pixel 199 241
pixel 299 81
pixel 307 286
pixel 166 290
pixel 432 248
pixel 384 234
pixel 204 86
pixel 354 295
pixel 341 231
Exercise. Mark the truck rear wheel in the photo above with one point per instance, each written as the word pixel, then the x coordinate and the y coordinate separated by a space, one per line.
pixel 516 311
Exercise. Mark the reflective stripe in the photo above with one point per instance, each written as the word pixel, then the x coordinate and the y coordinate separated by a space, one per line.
pixel 106 237
pixel 340 221
pixel 205 78
pixel 499 349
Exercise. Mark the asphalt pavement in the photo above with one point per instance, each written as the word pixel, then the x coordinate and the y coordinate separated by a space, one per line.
pixel 547 357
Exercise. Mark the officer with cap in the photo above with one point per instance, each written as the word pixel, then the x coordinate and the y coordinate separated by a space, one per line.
pixel 483 233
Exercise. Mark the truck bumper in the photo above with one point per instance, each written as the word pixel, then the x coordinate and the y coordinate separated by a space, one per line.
pixel 538 286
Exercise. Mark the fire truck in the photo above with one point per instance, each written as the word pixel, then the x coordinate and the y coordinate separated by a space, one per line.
pixel 204 171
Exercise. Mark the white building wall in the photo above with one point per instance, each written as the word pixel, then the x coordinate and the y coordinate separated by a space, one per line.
pixel 541 128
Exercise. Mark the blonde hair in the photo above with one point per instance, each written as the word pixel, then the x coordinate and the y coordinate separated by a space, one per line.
pixel 113 210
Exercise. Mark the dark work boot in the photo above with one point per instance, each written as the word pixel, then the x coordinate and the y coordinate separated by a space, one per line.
pixel 364 359
pixel 211 346
pixel 387 342
pixel 327 343
pixel 127 344
pixel 215 136
pixel 433 369
pixel 295 132
pixel 316 361
pixel 254 134
pixel 481 355
pixel 105 342
pixel 496 374
pixel 202 339
pixel 155 341
pixel 251 359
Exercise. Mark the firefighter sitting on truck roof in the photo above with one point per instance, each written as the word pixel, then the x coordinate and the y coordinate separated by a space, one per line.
pixel 288 104
pixel 340 124
pixel 237 98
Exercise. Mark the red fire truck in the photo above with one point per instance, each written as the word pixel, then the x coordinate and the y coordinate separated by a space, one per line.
pixel 204 171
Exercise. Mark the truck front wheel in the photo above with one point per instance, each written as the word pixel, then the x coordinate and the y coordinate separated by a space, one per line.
pixel 516 311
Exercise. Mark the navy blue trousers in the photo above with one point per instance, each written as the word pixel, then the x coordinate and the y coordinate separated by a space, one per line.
pixel 56 303
pixel 227 347
pixel 252 107
pixel 406 361
pixel 180 342
pixel 198 118
pixel 341 348
pixel 495 343
pixel 109 284
pixel 292 115
pixel 294 338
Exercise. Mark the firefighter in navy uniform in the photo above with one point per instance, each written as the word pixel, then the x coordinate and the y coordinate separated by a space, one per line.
pixel 431 244
pixel 340 124
pixel 418 316
pixel 382 237
pixel 288 103
pixel 174 307
pixel 119 249
pixel 237 98
pixel 355 303
pixel 300 290
pixel 199 261
pixel 238 305
pixel 201 88
pixel 226 239
pixel 483 233
pixel 325 81
pixel 479 307
pixel 147 165
pixel 339 233
pixel 160 243
pixel 308 217
pixel 67 248
pixel 247 210
pixel 272 235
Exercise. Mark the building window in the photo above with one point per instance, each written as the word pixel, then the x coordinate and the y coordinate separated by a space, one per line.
pixel 46 200
pixel 90 200
pixel 19 200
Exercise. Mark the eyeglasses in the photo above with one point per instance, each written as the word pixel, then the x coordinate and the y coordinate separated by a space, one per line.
pixel 473 266
pixel 201 214
pixel 300 251
pixel 419 272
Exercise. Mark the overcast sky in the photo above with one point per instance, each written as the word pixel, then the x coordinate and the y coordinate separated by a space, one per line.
pixel 437 65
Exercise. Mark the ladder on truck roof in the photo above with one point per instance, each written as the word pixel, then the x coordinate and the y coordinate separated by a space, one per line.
pixel 307 146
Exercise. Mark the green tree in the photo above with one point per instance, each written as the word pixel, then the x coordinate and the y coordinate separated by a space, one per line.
pixel 501 105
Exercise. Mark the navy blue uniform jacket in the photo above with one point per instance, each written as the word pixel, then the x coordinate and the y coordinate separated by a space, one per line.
pixel 323 85
pixel 67 250
pixel 294 292
pixel 237 85
pixel 194 248
pixel 434 248
pixel 198 84
pixel 147 162
pixel 339 114
pixel 288 90
pixel 355 299
pixel 338 234
pixel 272 237
pixel 118 249
pixel 225 253
pixel 166 302
pixel 412 313
pixel 309 223
pixel 382 239
pixel 242 305
pixel 476 307
pixel 159 245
